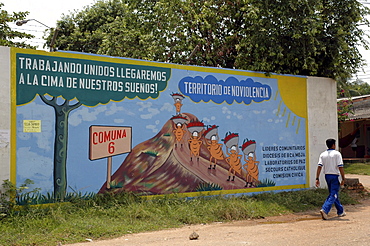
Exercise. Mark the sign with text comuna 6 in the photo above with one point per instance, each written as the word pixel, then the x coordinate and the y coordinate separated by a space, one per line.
pixel 106 141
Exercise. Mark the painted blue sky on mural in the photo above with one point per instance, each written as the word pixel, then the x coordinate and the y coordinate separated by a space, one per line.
pixel 261 120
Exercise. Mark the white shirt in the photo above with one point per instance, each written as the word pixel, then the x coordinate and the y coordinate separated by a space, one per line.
pixel 331 160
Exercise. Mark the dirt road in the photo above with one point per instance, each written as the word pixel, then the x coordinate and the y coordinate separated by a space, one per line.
pixel 296 229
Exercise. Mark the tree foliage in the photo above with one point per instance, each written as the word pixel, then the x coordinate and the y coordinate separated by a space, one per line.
pixel 306 37
pixel 344 110
pixel 352 89
pixel 8 36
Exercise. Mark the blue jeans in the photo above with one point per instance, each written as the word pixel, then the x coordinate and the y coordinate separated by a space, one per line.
pixel 333 185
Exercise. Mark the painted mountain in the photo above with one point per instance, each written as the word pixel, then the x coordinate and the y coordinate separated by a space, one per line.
pixel 162 165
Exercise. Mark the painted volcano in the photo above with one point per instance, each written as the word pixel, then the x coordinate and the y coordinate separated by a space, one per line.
pixel 156 166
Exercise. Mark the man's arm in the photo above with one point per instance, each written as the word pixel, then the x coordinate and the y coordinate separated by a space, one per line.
pixel 318 175
pixel 341 170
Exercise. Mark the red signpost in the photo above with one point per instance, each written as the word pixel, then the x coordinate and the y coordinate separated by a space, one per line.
pixel 108 141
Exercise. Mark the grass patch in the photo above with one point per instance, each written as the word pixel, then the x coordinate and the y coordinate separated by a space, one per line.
pixel 113 215
pixel 357 168
pixel 108 216
pixel 208 187
pixel 151 153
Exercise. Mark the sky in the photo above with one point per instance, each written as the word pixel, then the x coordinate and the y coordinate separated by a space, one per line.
pixel 48 12
pixel 44 11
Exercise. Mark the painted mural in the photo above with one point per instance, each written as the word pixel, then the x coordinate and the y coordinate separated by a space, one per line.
pixel 92 124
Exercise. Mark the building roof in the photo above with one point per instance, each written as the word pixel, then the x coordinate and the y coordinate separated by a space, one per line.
pixel 361 107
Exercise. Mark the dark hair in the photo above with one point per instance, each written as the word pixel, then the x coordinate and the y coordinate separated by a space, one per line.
pixel 330 142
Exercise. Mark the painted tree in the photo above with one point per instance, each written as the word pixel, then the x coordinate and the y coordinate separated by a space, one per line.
pixel 306 37
pixel 67 90
pixel 7 35
pixel 60 144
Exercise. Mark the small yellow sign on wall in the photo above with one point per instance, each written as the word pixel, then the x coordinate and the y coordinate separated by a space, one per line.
pixel 31 125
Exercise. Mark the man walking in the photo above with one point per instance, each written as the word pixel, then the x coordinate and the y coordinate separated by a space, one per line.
pixel 332 164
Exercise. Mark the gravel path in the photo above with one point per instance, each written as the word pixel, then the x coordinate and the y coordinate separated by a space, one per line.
pixel 295 229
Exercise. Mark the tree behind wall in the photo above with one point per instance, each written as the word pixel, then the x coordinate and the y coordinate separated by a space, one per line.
pixel 305 37
pixel 9 37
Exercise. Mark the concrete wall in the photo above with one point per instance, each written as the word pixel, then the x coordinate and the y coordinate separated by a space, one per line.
pixel 321 117
pixel 322 120
pixel 5 113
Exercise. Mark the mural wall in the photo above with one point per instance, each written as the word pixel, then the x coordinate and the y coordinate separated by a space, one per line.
pixel 91 124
